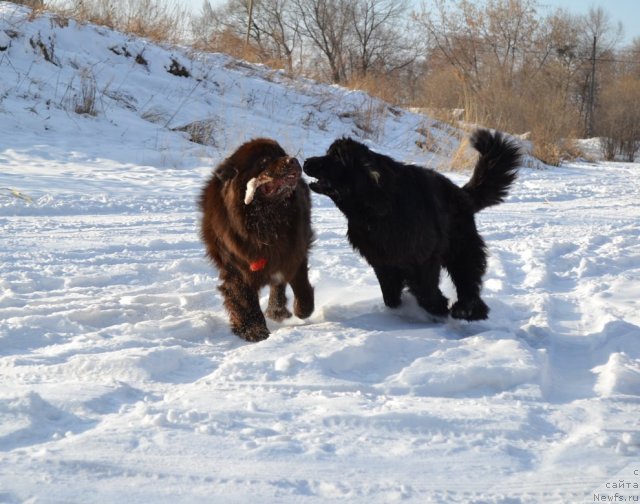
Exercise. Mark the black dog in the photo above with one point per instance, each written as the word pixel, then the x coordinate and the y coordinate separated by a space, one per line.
pixel 409 222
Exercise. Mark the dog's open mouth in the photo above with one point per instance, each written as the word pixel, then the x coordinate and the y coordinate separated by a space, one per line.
pixel 321 186
pixel 280 184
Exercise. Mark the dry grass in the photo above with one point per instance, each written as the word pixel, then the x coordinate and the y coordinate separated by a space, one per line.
pixel 554 152
pixel 84 102
pixel 380 86
pixel 157 20
pixel 548 152
pixel 202 132
pixel 228 42
pixel 463 159
pixel 368 117
pixel 429 143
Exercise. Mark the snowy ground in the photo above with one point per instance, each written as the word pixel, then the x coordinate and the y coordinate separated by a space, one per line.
pixel 121 382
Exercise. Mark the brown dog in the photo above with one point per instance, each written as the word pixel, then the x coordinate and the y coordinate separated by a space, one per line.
pixel 256 225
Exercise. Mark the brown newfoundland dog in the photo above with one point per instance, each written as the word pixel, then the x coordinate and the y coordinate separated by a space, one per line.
pixel 409 222
pixel 256 224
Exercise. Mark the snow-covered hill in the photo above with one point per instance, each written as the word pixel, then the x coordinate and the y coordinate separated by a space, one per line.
pixel 121 382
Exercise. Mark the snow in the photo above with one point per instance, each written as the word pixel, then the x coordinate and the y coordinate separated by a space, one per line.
pixel 121 381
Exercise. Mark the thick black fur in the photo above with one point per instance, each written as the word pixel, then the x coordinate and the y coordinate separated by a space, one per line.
pixel 408 222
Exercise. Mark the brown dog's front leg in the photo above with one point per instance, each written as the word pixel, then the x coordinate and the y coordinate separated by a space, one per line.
pixel 303 303
pixel 242 303
pixel 277 307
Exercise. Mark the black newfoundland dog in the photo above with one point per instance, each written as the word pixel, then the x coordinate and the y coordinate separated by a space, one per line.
pixel 409 222
pixel 256 224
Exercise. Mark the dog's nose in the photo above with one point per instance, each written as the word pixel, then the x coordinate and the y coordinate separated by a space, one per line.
pixel 293 163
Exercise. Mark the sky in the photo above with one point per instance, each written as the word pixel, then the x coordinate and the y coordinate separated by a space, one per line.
pixel 625 11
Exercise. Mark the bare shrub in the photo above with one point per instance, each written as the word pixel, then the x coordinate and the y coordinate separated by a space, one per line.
pixel 428 143
pixel 35 4
pixel 620 118
pixel 178 69
pixel 46 49
pixel 384 87
pixel 551 139
pixel 84 102
pixel 229 42
pixel 157 20
pixel 202 132
pixel 37 7
pixel 548 151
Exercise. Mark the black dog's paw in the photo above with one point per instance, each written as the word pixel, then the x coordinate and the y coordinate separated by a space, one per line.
pixel 278 314
pixel 473 309
pixel 252 333
pixel 438 307
pixel 392 301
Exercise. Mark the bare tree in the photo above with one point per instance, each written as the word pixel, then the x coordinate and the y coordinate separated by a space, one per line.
pixel 325 24
pixel 377 42
pixel 600 36
pixel 274 32
pixel 495 48
pixel 205 27
pixel 358 37
pixel 278 30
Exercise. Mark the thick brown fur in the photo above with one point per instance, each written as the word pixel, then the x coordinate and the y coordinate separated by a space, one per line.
pixel 275 226
pixel 409 222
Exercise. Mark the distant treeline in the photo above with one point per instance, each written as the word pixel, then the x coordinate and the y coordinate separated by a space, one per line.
pixel 504 63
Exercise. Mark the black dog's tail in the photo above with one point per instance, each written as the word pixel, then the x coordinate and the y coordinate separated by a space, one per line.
pixel 495 170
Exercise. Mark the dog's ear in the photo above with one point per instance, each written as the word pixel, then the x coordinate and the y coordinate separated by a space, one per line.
pixel 376 171
pixel 225 171
pixel 345 150
pixel 344 156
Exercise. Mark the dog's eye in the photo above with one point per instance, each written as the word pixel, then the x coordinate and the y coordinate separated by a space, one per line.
pixel 263 162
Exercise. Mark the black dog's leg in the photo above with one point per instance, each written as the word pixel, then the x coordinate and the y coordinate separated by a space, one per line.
pixel 242 303
pixel 303 303
pixel 277 307
pixel 424 286
pixel 467 264
pixel 391 283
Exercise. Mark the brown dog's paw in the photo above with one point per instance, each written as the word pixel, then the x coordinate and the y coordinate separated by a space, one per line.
pixel 278 314
pixel 252 333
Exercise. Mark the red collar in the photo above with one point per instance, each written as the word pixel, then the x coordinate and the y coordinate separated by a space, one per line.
pixel 258 265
